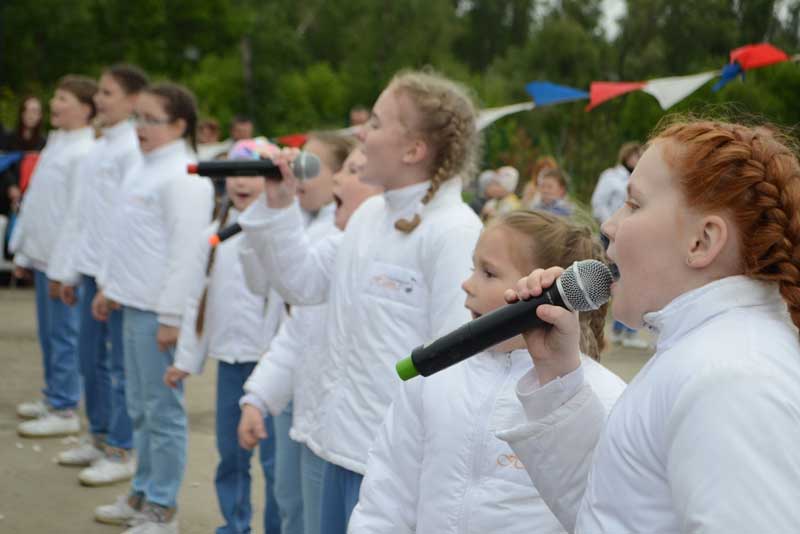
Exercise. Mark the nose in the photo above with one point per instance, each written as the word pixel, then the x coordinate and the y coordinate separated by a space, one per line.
pixel 361 132
pixel 609 228
pixel 466 285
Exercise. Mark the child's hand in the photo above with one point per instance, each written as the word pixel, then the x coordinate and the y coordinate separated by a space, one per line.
pixel 54 289
pixel 21 273
pixel 174 376
pixel 555 351
pixel 281 194
pixel 251 427
pixel 166 337
pixel 68 296
pixel 100 307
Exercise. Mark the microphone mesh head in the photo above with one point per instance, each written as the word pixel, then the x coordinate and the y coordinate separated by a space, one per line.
pixel 585 285
pixel 306 165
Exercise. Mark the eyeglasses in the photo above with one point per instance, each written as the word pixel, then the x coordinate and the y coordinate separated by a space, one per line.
pixel 141 120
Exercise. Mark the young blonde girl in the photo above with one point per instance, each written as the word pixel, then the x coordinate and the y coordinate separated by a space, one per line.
pixel 148 272
pixel 436 465
pixel 398 251
pixel 705 437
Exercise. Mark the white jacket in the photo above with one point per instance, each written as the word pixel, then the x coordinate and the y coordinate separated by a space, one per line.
pixel 239 324
pixel 85 237
pixel 610 192
pixel 289 371
pixel 704 439
pixel 47 200
pixel 389 292
pixel 161 212
pixel 436 466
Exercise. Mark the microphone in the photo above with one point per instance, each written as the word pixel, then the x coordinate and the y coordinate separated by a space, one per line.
pixel 584 286
pixel 306 165
pixel 227 232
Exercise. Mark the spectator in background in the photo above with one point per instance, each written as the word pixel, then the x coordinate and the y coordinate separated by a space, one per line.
pixel 28 134
pixel 359 115
pixel 208 131
pixel 208 144
pixel 479 200
pixel 530 194
pixel 242 127
pixel 500 192
pixel 553 186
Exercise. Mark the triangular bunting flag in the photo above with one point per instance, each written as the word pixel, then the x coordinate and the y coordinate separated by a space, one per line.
pixel 759 55
pixel 729 72
pixel 546 93
pixel 602 91
pixel 488 116
pixel 670 91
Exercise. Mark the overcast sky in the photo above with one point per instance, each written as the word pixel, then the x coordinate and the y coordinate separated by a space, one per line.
pixel 612 10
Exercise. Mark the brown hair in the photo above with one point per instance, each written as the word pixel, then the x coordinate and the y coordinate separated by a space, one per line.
pixel 752 174
pixel 556 241
pixel 82 87
pixel 627 150
pixel 558 175
pixel 222 216
pixel 446 121
pixel 131 78
pixel 340 145
pixel 179 103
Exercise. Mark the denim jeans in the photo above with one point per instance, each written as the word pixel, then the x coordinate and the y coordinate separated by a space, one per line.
pixel 340 489
pixel 312 469
pixel 58 336
pixel 157 411
pixel 103 370
pixel 287 475
pixel 232 479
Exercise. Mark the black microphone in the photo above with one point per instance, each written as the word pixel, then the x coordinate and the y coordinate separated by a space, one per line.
pixel 306 165
pixel 584 286
pixel 226 233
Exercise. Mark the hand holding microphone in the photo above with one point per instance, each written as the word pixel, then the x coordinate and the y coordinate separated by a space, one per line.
pixel 543 308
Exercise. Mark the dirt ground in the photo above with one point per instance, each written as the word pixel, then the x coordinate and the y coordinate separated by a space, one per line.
pixel 37 496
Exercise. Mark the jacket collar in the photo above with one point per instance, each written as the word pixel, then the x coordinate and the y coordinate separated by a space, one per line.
pixel 177 147
pixel 695 307
pixel 408 200
pixel 120 129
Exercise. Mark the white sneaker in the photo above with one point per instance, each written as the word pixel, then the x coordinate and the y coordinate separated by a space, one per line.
pixel 124 510
pixel 86 453
pixel 32 410
pixel 159 521
pixel 52 424
pixel 108 470
pixel 633 341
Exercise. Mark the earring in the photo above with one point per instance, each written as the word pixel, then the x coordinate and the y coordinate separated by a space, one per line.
pixel 689 261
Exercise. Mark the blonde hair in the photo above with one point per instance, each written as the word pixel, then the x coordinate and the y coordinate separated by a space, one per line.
pixel 446 120
pixel 556 241
pixel 340 145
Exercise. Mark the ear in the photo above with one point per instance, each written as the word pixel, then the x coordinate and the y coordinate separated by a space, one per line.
pixel 416 152
pixel 709 242
pixel 87 112
pixel 180 126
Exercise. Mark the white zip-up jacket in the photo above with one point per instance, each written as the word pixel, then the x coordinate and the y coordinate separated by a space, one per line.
pixel 161 213
pixel 704 439
pixel 238 325
pixel 47 200
pixel 436 466
pixel 289 371
pixel 610 192
pixel 388 293
pixel 85 237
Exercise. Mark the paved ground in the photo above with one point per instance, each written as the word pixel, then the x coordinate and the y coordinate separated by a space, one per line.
pixel 38 496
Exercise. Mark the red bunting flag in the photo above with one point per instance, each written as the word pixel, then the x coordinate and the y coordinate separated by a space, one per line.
pixel 758 55
pixel 293 140
pixel 602 91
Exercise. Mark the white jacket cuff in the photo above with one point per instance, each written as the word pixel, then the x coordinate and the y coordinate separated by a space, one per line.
pixel 539 401
pixel 254 400
pixel 169 319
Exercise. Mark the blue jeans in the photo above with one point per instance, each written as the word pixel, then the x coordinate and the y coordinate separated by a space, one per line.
pixel 58 336
pixel 340 489
pixel 287 475
pixel 103 371
pixel 313 469
pixel 159 419
pixel 232 479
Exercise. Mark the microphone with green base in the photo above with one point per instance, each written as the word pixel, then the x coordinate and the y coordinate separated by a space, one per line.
pixel 584 286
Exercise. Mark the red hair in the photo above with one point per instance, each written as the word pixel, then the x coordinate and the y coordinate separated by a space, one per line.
pixel 753 175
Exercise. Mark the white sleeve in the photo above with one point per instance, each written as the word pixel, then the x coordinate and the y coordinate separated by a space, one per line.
pixel 300 273
pixel 187 206
pixel 255 275
pixel 733 463
pixel 388 501
pixel 192 349
pixel 61 266
pixel 272 381
pixel 450 263
pixel 564 411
